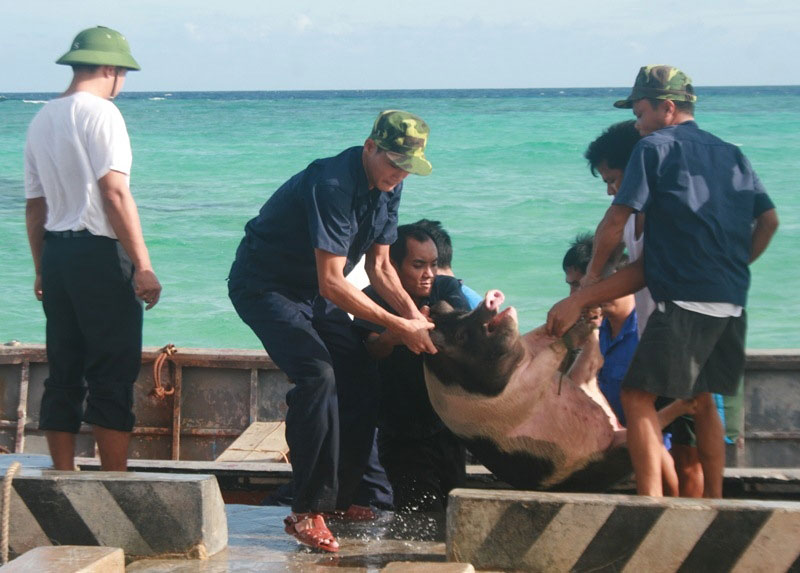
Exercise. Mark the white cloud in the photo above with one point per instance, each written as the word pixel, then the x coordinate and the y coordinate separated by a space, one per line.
pixel 637 47
pixel 193 29
pixel 303 23
pixel 317 44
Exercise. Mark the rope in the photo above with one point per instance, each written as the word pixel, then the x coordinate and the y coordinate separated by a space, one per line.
pixel 158 390
pixel 10 472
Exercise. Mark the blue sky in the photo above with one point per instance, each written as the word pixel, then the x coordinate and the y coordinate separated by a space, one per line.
pixel 367 44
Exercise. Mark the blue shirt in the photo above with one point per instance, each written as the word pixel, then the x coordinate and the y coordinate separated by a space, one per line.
pixel 473 298
pixel 617 355
pixel 700 195
pixel 327 206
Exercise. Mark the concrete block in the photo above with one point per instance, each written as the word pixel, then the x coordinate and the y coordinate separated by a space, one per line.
pixel 537 531
pixel 146 514
pixel 68 559
pixel 427 567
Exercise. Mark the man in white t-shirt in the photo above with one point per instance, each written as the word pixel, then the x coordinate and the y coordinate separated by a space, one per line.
pixel 92 267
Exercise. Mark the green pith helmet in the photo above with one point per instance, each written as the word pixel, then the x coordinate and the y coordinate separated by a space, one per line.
pixel 100 46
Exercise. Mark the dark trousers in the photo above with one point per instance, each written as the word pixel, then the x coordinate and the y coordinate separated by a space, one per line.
pixel 422 471
pixel 94 334
pixel 332 407
pixel 374 490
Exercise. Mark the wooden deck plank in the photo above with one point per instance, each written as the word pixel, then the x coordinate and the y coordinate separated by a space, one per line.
pixel 260 442
pixel 252 437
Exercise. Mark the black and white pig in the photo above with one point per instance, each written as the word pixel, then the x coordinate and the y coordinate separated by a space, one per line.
pixel 503 394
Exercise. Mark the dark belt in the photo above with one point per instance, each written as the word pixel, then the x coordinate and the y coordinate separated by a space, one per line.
pixel 68 234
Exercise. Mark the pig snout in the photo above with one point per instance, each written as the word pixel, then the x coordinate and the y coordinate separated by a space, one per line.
pixel 494 298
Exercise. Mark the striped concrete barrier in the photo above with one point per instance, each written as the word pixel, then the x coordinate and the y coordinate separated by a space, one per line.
pixel 534 531
pixel 144 514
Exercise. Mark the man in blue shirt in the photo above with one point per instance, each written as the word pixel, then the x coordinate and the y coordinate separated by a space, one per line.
pixel 617 342
pixel 288 284
pixel 423 459
pixel 607 157
pixel 444 264
pixel 619 336
pixel 707 218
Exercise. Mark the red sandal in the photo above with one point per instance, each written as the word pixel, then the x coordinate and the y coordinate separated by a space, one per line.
pixel 353 513
pixel 315 535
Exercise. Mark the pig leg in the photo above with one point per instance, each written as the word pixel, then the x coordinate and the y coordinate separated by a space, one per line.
pixel 666 416
pixel 673 410
pixel 576 335
pixel 538 340
pixel 584 374
pixel 584 370
pixel 550 352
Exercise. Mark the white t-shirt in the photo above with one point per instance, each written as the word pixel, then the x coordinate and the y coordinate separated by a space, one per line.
pixel 715 309
pixel 72 142
pixel 645 305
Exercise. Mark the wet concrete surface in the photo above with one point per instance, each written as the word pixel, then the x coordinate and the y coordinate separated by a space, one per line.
pixel 257 542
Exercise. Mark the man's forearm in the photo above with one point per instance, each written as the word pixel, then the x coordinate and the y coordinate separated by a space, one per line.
pixel 386 283
pixel 339 291
pixel 412 331
pixel 567 311
pixel 765 227
pixel 124 219
pixel 626 281
pixel 607 238
pixel 123 216
pixel 35 217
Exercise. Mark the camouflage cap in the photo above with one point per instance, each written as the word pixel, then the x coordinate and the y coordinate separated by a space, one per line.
pixel 660 82
pixel 404 135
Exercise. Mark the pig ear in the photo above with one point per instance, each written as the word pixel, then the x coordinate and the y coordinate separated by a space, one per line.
pixel 441 307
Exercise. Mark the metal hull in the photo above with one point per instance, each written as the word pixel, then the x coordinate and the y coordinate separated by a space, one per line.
pixel 218 393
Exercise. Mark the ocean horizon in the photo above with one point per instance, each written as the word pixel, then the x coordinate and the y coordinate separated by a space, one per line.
pixel 509 183
pixel 426 91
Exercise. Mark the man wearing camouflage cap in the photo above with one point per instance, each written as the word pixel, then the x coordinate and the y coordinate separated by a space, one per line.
pixel 93 269
pixel 288 284
pixel 707 217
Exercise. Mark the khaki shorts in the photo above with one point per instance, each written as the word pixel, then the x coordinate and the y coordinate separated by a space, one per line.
pixel 684 353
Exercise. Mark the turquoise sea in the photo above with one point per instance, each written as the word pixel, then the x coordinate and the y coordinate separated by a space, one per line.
pixel 509 183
